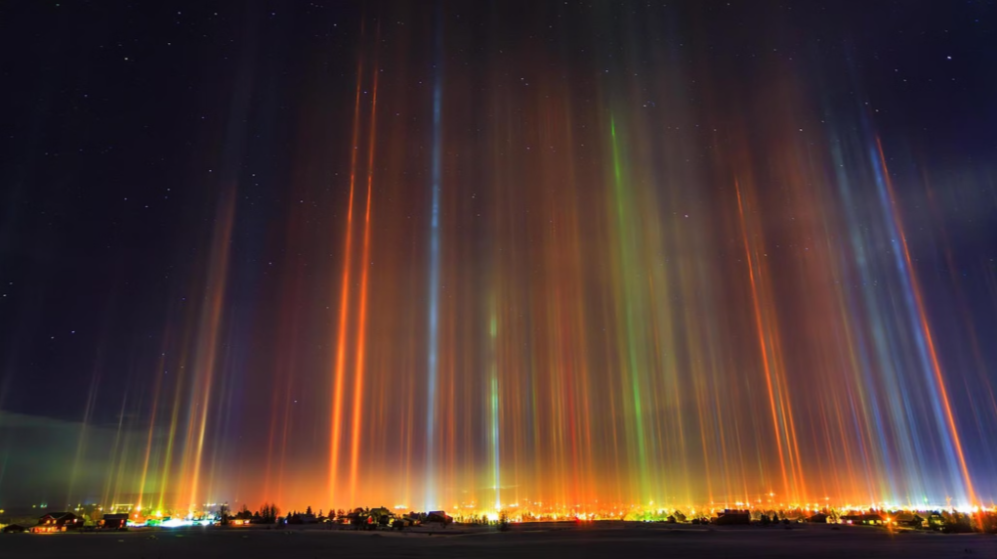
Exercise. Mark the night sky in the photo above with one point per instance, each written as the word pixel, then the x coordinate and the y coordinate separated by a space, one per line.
pixel 495 254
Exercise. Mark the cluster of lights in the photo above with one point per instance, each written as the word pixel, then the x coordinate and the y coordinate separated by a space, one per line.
pixel 559 512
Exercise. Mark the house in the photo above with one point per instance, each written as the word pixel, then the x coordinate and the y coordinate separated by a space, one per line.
pixel 731 517
pixel 302 518
pixel 863 519
pixel 438 516
pixel 242 518
pixel 908 519
pixel 819 518
pixel 935 520
pixel 57 522
pixel 114 521
pixel 14 529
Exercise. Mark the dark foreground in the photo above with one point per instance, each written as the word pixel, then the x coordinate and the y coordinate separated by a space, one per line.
pixel 600 539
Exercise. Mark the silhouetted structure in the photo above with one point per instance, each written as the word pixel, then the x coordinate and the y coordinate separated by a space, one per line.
pixel 730 517
pixel 438 517
pixel 114 522
pixel 866 519
pixel 243 517
pixel 301 518
pixel 909 520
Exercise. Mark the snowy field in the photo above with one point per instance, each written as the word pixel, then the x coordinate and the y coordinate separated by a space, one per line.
pixel 602 539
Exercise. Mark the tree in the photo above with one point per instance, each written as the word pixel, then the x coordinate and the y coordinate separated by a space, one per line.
pixel 503 522
pixel 269 513
pixel 308 510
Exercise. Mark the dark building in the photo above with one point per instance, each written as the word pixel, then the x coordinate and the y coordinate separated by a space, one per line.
pixel 438 516
pixel 302 518
pixel 866 519
pixel 731 517
pixel 114 522
pixel 908 519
